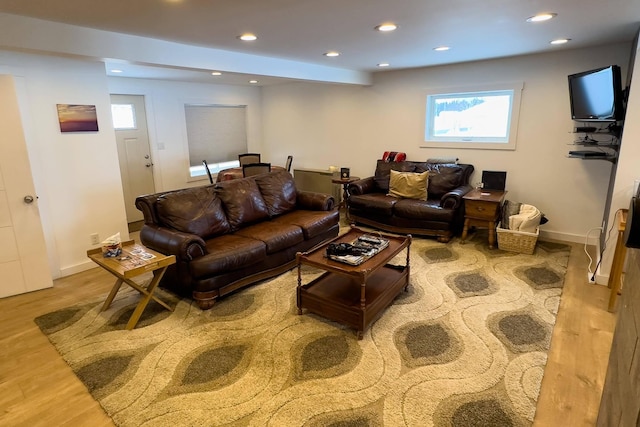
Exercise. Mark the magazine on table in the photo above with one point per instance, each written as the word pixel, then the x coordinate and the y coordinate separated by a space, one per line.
pixel 360 250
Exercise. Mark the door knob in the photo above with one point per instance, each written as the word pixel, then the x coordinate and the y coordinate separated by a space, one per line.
pixel 28 199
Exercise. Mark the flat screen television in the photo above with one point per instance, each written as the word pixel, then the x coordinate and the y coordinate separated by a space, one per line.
pixel 596 95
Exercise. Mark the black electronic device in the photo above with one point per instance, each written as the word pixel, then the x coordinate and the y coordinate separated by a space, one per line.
pixel 494 180
pixel 586 129
pixel 596 95
pixel 340 249
pixel 631 234
pixel 587 153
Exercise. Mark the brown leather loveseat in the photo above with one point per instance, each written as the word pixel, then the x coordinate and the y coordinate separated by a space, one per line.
pixel 441 214
pixel 232 234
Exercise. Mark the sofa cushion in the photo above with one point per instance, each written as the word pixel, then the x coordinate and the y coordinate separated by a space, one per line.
pixel 408 185
pixel 242 202
pixel 442 177
pixel 377 204
pixel 193 210
pixel 383 169
pixel 278 191
pixel 420 210
pixel 277 236
pixel 228 253
pixel 313 223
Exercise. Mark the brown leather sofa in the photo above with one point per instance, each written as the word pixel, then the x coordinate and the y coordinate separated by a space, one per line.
pixel 441 215
pixel 232 234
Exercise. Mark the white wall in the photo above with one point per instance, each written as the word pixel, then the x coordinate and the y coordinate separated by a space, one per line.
pixel 322 125
pixel 76 175
pixel 628 170
pixel 164 101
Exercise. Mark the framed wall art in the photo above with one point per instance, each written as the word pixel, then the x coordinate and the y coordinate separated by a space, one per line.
pixel 77 118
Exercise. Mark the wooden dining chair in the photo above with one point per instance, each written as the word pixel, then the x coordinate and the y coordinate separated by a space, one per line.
pixel 288 164
pixel 255 169
pixel 248 158
pixel 206 167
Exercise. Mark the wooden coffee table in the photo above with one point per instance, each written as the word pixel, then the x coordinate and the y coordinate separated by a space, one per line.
pixel 353 295
pixel 134 261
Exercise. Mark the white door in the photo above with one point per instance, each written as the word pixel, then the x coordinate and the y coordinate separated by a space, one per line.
pixel 24 264
pixel 136 165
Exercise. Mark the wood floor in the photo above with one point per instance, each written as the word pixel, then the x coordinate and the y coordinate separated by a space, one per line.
pixel 37 388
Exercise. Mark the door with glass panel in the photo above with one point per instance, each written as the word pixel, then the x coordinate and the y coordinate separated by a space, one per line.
pixel 134 154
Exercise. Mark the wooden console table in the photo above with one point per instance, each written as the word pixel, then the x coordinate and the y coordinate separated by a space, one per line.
pixel 482 208
pixel 131 263
pixel 619 255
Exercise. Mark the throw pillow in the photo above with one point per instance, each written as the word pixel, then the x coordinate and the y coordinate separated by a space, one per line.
pixel 242 202
pixel 278 191
pixel 195 211
pixel 408 185
pixel 443 177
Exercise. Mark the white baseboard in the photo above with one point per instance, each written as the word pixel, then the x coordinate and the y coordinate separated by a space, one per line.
pixel 568 237
pixel 84 266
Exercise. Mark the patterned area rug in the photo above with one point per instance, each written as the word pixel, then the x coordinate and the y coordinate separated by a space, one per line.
pixel 466 345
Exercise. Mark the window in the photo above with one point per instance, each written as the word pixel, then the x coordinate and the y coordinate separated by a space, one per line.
pixel 482 118
pixel 217 134
pixel 123 116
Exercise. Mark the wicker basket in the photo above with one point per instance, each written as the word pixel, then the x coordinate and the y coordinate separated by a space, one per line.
pixel 517 241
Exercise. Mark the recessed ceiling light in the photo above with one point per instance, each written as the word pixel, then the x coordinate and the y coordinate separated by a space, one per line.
pixel 116 71
pixel 383 64
pixel 541 17
pixel 560 41
pixel 386 27
pixel 216 73
pixel 332 53
pixel 248 37
pixel 441 48
pixel 253 81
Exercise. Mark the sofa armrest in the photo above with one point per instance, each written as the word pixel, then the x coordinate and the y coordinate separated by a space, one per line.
pixel 184 246
pixel 453 198
pixel 314 201
pixel 362 186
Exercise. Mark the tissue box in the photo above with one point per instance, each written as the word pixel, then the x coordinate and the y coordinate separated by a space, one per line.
pixel 112 246
pixel 112 250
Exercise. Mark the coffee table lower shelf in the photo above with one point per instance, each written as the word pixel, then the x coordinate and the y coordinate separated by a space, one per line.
pixel 341 298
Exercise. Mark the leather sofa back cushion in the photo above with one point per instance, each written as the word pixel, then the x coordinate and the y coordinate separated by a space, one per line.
pixel 383 169
pixel 408 185
pixel 242 201
pixel 442 177
pixel 193 210
pixel 278 191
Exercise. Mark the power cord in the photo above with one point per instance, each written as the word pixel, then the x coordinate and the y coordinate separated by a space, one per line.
pixel 586 239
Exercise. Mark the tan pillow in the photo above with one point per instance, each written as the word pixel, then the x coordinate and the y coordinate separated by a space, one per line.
pixel 408 185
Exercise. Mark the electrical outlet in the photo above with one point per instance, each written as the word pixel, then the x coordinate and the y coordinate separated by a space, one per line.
pixel 95 239
pixel 589 276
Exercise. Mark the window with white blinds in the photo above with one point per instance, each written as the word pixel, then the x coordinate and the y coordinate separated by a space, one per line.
pixel 217 134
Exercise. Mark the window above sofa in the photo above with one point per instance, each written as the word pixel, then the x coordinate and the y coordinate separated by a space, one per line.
pixel 484 117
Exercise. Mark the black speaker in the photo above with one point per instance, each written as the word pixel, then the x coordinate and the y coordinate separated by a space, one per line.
pixel 632 228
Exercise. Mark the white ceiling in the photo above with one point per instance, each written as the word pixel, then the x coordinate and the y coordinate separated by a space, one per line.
pixel 302 30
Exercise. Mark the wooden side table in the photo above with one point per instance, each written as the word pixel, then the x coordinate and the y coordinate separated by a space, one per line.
pixel 345 189
pixel 482 209
pixel 619 256
pixel 134 261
